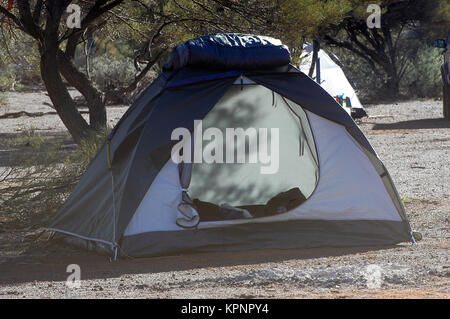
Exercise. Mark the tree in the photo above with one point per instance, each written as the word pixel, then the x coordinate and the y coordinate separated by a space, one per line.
pixel 45 22
pixel 158 25
pixel 384 49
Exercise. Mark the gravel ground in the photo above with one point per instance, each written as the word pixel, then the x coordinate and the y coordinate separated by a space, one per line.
pixel 39 102
pixel 414 144
pixel 411 139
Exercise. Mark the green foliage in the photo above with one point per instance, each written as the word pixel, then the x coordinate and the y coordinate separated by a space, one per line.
pixel 3 99
pixel 87 150
pixel 6 80
pixel 301 19
pixel 108 71
pixel 130 25
pixel 391 52
pixel 436 19
pixel 28 138
pixel 6 76
pixel 19 61
pixel 292 21
pixel 423 76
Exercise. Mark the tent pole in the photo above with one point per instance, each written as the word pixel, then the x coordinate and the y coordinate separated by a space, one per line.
pixel 412 237
pixel 316 48
pixel 108 158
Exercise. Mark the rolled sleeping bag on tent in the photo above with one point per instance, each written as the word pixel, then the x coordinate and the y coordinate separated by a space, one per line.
pixel 229 51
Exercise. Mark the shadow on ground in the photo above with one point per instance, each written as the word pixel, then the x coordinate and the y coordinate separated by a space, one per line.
pixel 413 124
pixel 39 265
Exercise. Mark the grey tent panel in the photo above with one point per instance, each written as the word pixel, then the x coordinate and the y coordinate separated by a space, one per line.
pixel 290 234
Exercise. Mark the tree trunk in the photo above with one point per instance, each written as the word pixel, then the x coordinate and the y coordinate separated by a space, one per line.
pixel 48 48
pixel 392 83
pixel 61 99
pixel 57 91
pixel 314 58
pixel 94 98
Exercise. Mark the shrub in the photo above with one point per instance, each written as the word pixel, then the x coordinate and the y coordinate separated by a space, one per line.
pixel 7 80
pixel 420 78
pixel 108 72
pixel 19 63
pixel 111 66
pixel 3 99
pixel 423 76
pixel 42 176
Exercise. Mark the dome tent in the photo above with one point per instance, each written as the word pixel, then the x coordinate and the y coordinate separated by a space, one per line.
pixel 332 79
pixel 129 201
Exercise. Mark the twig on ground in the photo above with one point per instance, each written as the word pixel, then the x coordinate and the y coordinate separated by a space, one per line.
pixel 31 114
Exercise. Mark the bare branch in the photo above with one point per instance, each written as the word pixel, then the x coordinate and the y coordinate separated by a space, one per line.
pixel 27 20
pixel 98 9
pixel 11 16
pixel 37 12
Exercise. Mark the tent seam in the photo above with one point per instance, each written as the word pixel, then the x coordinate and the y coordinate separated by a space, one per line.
pixel 112 244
